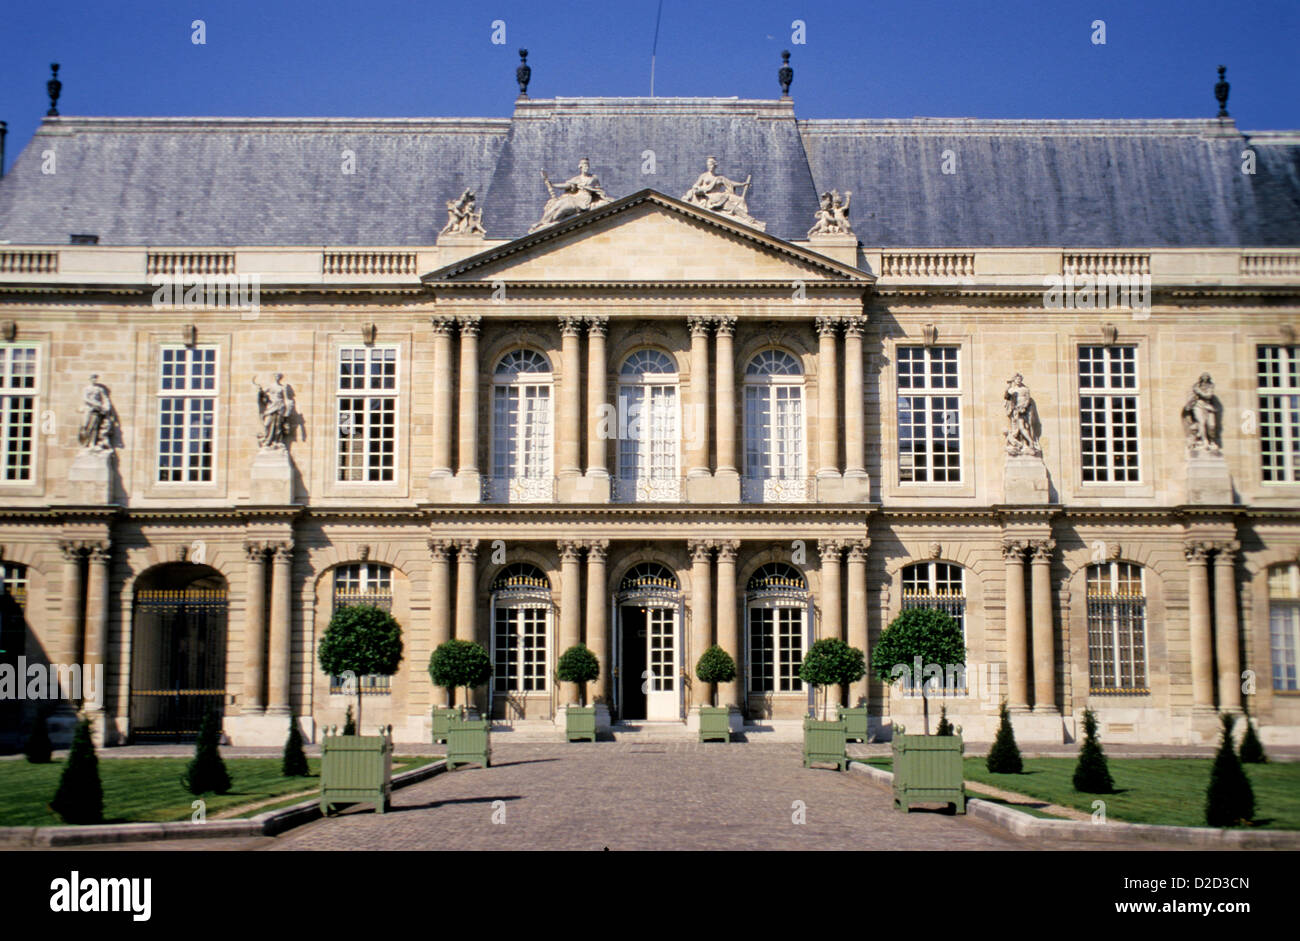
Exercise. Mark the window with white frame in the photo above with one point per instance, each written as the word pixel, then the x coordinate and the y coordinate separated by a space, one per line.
pixel 522 426
pixel 1278 369
pixel 367 414
pixel 776 610
pixel 941 586
pixel 648 432
pixel 17 410
pixel 363 583
pixel 1117 661
pixel 929 414
pixel 1284 624
pixel 521 626
pixel 1108 414
pixel 187 413
pixel 774 427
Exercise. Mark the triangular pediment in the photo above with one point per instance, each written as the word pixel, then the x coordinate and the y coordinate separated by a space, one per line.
pixel 647 237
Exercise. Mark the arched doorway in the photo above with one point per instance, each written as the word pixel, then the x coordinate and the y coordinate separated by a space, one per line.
pixel 648 646
pixel 178 651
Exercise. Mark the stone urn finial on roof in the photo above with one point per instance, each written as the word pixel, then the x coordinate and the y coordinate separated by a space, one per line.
pixel 523 73
pixel 786 75
pixel 1221 92
pixel 53 87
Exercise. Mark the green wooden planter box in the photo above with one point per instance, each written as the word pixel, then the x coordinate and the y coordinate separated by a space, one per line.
pixel 580 723
pixel 715 724
pixel 442 721
pixel 855 721
pixel 928 769
pixel 467 743
pixel 356 769
pixel 824 740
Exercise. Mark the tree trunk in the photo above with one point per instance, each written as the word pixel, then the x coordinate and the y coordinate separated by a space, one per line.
pixel 358 705
pixel 925 711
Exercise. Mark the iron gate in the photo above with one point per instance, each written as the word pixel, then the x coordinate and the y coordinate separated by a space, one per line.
pixel 178 662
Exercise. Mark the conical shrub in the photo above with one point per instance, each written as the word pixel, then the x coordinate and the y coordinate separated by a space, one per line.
pixel 1229 801
pixel 80 797
pixel 206 773
pixel 349 723
pixel 1004 756
pixel 294 764
pixel 37 747
pixel 944 727
pixel 1252 749
pixel 1092 774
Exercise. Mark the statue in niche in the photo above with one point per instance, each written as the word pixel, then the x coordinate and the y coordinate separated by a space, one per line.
pixel 100 418
pixel 715 192
pixel 576 194
pixel 832 215
pixel 275 407
pixel 1019 406
pixel 462 217
pixel 1201 417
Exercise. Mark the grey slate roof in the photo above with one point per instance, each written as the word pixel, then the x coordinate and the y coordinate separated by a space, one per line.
pixel 275 181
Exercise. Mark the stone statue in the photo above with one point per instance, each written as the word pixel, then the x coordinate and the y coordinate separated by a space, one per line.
pixel 1201 417
pixel 715 192
pixel 1019 405
pixel 96 432
pixel 832 216
pixel 276 408
pixel 576 194
pixel 462 217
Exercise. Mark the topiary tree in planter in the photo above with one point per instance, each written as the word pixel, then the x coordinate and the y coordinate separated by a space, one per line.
pixel 831 662
pixel 37 747
pixel 294 762
pixel 944 727
pixel 206 773
pixel 715 666
pixel 1004 756
pixel 80 797
pixel 1092 774
pixel 460 663
pixel 578 665
pixel 923 636
pixel 361 639
pixel 1252 749
pixel 1229 800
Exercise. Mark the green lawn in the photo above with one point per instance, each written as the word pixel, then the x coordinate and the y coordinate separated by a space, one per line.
pixel 1148 790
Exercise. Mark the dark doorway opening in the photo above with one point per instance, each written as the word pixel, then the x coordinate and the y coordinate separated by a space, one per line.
pixel 632 646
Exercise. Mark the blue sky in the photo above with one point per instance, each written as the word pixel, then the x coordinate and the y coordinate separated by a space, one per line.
pixel 933 58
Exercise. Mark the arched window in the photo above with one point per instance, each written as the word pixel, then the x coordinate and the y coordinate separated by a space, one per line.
pixel 1117 660
pixel 1284 623
pixel 774 429
pixel 942 586
pixel 648 433
pixel 776 615
pixel 363 583
pixel 521 627
pixel 521 429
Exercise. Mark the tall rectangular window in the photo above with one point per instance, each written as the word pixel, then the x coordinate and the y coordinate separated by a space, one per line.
pixel 17 411
pixel 1279 412
pixel 367 413
pixel 1284 625
pixel 187 404
pixel 929 414
pixel 1108 414
pixel 1116 629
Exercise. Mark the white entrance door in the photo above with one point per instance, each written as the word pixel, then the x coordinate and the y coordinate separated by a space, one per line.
pixel 663 687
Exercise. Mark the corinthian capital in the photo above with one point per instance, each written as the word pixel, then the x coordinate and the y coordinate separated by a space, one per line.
pixel 1198 552
pixel 570 549
pixel 1013 550
pixel 700 549
pixel 1042 549
pixel 830 549
pixel 440 549
pixel 467 550
pixel 727 549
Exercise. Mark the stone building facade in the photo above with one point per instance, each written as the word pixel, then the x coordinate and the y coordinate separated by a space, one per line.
pixel 655 422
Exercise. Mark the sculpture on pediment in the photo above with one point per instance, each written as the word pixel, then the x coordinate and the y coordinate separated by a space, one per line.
pixel 462 217
pixel 832 215
pixel 1019 406
pixel 275 407
pixel 99 417
pixel 1201 417
pixel 717 193
pixel 576 194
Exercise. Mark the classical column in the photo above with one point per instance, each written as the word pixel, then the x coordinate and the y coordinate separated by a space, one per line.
pixel 443 327
pixel 468 458
pixel 568 435
pixel 280 664
pixel 597 617
pixel 73 600
pixel 570 614
pixel 828 429
pixel 466 628
pixel 1226 641
pixel 255 629
pixel 832 626
pixel 697 446
pixel 97 608
pixel 857 604
pixel 728 629
pixel 1013 554
pixel 1198 622
pixel 855 422
pixel 701 613
pixel 597 370
pixel 440 596
pixel 726 381
pixel 1044 632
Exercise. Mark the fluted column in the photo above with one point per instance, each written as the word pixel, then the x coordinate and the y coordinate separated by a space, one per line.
pixel 728 628
pixel 97 608
pixel 1227 643
pixel 279 680
pixel 73 599
pixel 468 457
pixel 857 613
pixel 828 428
pixel 701 613
pixel 697 451
pixel 1013 554
pixel 443 328
pixel 1198 622
pixel 466 626
pixel 570 614
pixel 832 625
pixel 597 617
pixel 597 328
pixel 726 382
pixel 1044 632
pixel 855 422
pixel 255 629
pixel 568 435
pixel 440 596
